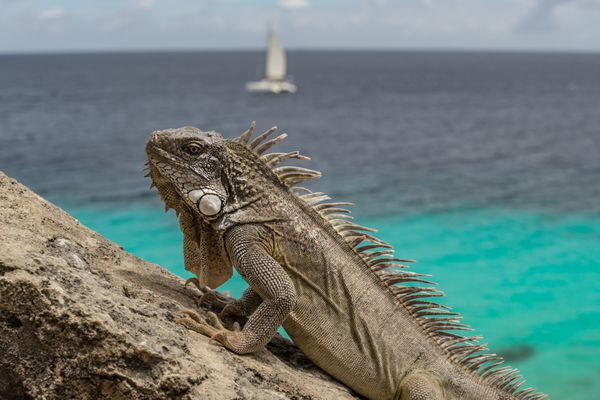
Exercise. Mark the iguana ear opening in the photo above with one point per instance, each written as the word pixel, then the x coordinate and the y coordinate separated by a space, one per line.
pixel 203 252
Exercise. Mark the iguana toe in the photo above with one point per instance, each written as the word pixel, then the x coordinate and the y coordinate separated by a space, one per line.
pixel 194 281
pixel 193 322
pixel 213 328
pixel 214 320
pixel 213 298
pixel 191 314
pixel 229 339
pixel 229 309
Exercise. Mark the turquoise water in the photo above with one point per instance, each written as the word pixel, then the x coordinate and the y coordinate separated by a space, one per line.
pixel 527 281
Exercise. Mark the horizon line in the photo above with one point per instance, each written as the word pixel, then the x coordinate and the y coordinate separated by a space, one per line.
pixel 301 49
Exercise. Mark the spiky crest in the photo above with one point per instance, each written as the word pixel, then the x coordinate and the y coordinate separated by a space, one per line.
pixel 435 319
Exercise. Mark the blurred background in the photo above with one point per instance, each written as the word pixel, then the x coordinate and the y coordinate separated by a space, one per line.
pixel 467 132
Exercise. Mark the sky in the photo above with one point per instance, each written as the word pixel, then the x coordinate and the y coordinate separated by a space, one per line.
pixel 104 25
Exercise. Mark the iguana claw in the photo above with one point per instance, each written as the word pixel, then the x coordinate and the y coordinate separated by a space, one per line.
pixel 210 296
pixel 193 281
pixel 213 328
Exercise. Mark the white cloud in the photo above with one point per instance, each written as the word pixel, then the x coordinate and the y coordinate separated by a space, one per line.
pixel 547 16
pixel 49 14
pixel 293 4
pixel 145 4
pixel 490 24
pixel 541 18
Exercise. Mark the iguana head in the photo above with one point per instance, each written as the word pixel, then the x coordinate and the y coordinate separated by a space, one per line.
pixel 212 175
pixel 213 183
pixel 191 162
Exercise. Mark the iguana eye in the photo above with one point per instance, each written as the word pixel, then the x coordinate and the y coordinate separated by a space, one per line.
pixel 193 148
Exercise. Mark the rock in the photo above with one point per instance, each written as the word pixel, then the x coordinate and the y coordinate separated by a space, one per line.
pixel 81 318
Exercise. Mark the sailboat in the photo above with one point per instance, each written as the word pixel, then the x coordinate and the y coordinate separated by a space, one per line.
pixel 275 70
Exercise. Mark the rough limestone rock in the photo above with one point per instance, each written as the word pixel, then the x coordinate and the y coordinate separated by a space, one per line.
pixel 81 318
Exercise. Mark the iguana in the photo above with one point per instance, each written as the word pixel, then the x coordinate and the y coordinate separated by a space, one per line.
pixel 352 307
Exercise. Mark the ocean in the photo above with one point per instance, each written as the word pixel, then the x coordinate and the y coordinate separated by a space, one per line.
pixel 485 167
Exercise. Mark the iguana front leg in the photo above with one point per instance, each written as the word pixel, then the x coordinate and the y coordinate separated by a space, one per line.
pixel 244 306
pixel 267 279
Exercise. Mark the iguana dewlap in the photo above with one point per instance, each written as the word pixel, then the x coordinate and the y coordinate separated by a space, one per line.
pixel 345 300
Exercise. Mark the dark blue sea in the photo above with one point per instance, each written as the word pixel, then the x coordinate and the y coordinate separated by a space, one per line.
pixel 485 167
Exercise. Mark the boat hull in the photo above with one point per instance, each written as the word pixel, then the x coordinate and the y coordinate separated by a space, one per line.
pixel 269 86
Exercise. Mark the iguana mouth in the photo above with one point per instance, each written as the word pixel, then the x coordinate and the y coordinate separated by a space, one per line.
pixel 156 152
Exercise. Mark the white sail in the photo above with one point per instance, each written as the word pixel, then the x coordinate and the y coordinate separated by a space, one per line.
pixel 275 69
pixel 275 64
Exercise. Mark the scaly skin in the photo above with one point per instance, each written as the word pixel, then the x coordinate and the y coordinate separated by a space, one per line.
pixel 340 294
